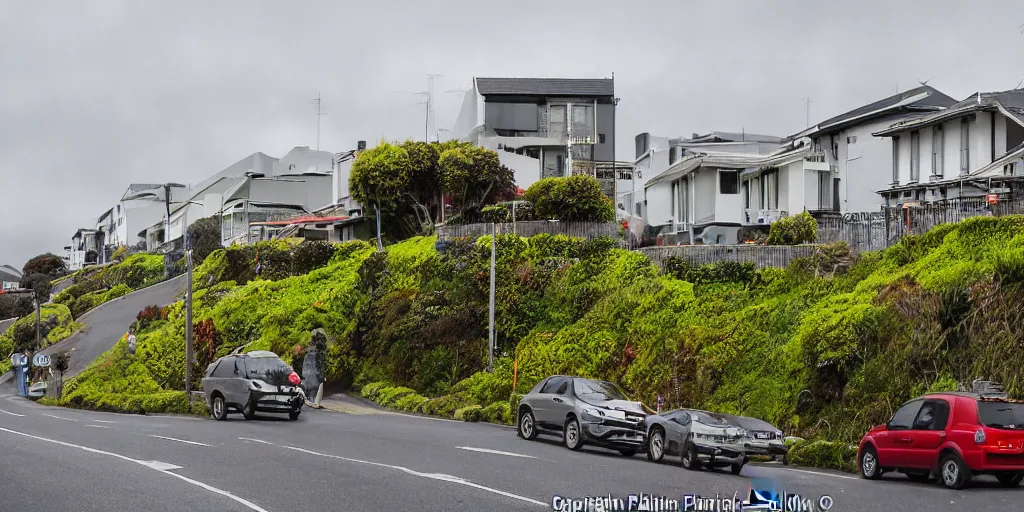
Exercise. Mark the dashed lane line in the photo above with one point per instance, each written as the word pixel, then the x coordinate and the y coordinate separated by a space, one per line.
pixel 60 417
pixel 162 467
pixel 496 452
pixel 179 440
pixel 12 413
pixel 255 440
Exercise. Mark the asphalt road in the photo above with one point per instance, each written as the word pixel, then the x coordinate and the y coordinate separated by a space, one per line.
pixel 105 324
pixel 4 324
pixel 366 460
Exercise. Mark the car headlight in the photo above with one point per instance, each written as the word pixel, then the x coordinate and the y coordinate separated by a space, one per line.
pixel 778 435
pixel 592 414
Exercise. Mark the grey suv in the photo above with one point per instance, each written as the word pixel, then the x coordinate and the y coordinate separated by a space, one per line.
pixel 583 411
pixel 249 383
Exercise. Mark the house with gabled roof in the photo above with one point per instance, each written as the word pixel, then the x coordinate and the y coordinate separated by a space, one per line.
pixel 974 148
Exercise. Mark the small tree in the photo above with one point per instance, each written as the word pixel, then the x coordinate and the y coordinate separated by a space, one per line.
pixel 204 238
pixel 794 230
pixel 60 363
pixel 49 264
pixel 573 198
pixel 40 284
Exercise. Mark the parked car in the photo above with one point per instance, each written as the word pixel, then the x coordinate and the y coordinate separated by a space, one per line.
pixel 762 438
pixel 698 437
pixel 249 383
pixel 583 411
pixel 953 435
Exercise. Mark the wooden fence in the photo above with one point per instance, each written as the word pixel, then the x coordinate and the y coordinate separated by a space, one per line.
pixel 586 230
pixel 760 255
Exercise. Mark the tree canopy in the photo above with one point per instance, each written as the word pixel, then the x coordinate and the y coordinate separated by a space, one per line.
pixel 204 238
pixel 48 263
pixel 573 198
pixel 40 284
pixel 410 182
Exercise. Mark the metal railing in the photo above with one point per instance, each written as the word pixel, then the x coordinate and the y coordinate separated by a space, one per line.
pixel 760 255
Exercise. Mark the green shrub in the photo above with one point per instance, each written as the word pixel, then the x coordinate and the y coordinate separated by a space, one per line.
pixel 372 390
pixel 825 454
pixel 724 272
pixel 410 402
pixel 794 230
pixel 444 406
pixel 388 396
pixel 572 198
pixel 498 412
pixel 311 255
pixel 469 413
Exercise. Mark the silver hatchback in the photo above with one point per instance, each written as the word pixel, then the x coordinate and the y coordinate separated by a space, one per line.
pixel 249 383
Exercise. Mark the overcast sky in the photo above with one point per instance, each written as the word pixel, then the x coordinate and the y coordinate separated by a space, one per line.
pixel 95 98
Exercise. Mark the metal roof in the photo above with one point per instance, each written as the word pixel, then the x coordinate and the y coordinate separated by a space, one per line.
pixel 1010 101
pixel 547 86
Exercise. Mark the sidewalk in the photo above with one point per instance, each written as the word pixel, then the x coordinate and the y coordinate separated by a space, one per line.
pixel 348 404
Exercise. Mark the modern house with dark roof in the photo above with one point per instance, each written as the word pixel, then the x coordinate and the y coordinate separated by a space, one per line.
pixel 542 127
pixel 974 148
pixel 859 164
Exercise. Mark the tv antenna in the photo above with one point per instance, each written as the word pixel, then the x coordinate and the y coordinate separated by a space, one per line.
pixel 318 102
pixel 926 81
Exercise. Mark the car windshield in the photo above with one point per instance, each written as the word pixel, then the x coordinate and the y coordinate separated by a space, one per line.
pixel 708 419
pixel 1006 415
pixel 599 390
pixel 269 369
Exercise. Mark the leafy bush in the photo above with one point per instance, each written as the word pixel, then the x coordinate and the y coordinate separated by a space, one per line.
pixel 572 198
pixel 204 237
pixel 311 255
pixel 469 413
pixel 724 272
pixel 372 390
pixel 794 230
pixel 410 402
pixel 498 412
pixel 55 324
pixel 825 454
pixel 444 406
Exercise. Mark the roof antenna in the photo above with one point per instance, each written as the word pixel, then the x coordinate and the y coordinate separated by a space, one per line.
pixel 925 82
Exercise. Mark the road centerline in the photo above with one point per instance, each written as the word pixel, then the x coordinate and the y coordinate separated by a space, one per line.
pixel 59 417
pixel 154 465
pixel 432 476
pixel 12 413
pixel 496 452
pixel 180 440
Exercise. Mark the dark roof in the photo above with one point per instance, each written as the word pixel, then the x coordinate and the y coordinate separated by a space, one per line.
pixel 934 100
pixel 734 137
pixel 8 276
pixel 547 86
pixel 1012 101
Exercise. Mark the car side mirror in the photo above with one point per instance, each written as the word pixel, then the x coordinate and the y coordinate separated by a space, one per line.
pixel 888 425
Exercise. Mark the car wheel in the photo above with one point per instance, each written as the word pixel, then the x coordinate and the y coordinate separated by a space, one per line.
pixel 919 476
pixel 953 473
pixel 571 435
pixel 690 459
pixel 248 411
pixel 220 409
pixel 869 464
pixel 527 426
pixel 656 445
pixel 627 453
pixel 294 415
pixel 736 468
pixel 1010 479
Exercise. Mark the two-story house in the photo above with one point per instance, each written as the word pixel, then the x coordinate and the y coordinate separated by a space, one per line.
pixel 83 250
pixel 542 127
pixel 973 148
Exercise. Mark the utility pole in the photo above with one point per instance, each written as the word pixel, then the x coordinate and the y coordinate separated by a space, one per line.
pixel 167 206
pixel 807 101
pixel 188 310
pixel 319 113
pixel 490 336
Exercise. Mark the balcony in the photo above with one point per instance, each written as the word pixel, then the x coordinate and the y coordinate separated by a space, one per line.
pixel 816 161
pixel 756 216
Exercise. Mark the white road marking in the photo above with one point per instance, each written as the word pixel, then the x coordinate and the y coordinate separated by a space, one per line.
pixel 155 465
pixel 60 418
pixel 12 413
pixel 178 440
pixel 819 473
pixel 498 452
pixel 104 421
pixel 98 426
pixel 254 440
pixel 432 476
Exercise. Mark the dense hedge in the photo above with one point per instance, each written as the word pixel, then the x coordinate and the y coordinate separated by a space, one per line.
pixel 94 286
pixel 55 324
pixel 824 454
pixel 824 349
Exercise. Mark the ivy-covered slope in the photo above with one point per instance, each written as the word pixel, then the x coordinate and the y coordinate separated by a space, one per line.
pixel 822 349
pixel 96 285
pixel 55 324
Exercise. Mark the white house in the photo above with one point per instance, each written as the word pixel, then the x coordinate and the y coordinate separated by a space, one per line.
pixel 974 148
pixel 860 163
pixel 542 127
pixel 83 250
pixel 10 277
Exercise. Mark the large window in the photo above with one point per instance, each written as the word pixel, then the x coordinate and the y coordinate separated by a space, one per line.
pixel 556 121
pixel 938 148
pixel 729 182
pixel 770 191
pixel 915 155
pixel 824 190
pixel 896 159
pixel 965 145
pixel 681 200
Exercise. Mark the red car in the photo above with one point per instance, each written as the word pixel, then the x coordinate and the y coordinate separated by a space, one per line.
pixel 951 435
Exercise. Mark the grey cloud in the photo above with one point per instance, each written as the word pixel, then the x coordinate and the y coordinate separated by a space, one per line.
pixel 96 95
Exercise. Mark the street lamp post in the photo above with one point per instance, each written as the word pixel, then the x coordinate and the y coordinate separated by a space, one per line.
pixel 188 299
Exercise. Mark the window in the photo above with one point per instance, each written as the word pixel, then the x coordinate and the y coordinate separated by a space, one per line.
pixel 933 415
pixel 225 227
pixel 238 223
pixel 224 369
pixel 729 182
pixel 851 139
pixel 938 149
pixel 556 121
pixel 598 390
pixel 824 190
pixel 746 194
pixel 552 385
pixel 600 138
pixel 965 145
pixel 1004 415
pixel 896 159
pixel 681 200
pixel 904 417
pixel 915 155
pixel 770 191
